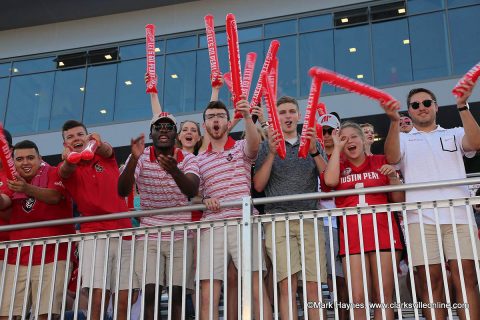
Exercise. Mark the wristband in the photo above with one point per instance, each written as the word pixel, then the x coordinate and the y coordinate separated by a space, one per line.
pixel 465 107
pixel 313 155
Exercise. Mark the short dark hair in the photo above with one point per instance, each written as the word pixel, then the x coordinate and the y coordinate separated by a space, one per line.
pixel 26 144
pixel 418 90
pixel 287 99
pixel 216 105
pixel 69 124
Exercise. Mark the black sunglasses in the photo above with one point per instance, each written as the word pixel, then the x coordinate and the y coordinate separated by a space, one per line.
pixel 164 127
pixel 329 131
pixel 426 103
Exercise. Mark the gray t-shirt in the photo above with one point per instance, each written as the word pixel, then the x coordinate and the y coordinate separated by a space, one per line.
pixel 290 176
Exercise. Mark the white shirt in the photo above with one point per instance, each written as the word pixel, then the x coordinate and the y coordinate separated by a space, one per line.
pixel 434 156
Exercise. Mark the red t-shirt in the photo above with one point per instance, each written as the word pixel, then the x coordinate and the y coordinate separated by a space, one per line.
pixel 93 186
pixel 28 210
pixel 5 190
pixel 364 176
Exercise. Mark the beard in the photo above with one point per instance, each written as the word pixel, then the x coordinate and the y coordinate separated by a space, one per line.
pixel 218 133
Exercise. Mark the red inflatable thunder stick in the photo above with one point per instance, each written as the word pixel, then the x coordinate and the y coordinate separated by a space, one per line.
pixel 271 54
pixel 227 77
pixel 248 72
pixel 351 85
pixel 273 76
pixel 87 154
pixel 150 45
pixel 472 75
pixel 234 60
pixel 215 74
pixel 273 114
pixel 310 113
pixel 6 157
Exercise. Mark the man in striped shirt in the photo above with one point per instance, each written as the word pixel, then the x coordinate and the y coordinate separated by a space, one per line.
pixel 165 177
pixel 225 174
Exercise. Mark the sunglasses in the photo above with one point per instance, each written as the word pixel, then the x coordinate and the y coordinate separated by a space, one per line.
pixel 327 131
pixel 426 103
pixel 164 127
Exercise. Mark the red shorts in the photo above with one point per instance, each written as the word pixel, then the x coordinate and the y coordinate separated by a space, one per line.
pixel 368 234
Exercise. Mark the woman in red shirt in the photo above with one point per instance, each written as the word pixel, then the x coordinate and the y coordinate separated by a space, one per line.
pixel 350 167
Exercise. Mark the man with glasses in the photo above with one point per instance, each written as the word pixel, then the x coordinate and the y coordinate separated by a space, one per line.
pixel 166 177
pixel 291 176
pixel 225 175
pixel 431 153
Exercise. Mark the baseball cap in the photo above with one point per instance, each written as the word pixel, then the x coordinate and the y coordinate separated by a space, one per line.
pixel 329 120
pixel 163 115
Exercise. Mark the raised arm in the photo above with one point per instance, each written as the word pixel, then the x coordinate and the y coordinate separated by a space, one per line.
pixel 471 139
pixel 332 172
pixel 127 177
pixel 251 135
pixel 392 142
pixel 154 100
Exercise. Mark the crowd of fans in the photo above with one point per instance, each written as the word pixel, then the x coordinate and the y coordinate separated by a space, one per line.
pixel 181 167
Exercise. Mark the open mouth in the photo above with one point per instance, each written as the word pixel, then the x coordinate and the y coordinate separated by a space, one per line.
pixel 288 123
pixel 163 139
pixel 216 127
pixel 351 148
pixel 27 169
pixel 189 139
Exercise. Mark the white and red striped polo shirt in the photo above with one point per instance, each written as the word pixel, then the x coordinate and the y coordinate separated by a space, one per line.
pixel 158 189
pixel 225 175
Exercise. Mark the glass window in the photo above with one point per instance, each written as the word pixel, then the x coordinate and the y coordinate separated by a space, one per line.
pixel 160 47
pixel 287 66
pixel 203 86
pixel 179 94
pixel 391 52
pixel 463 29
pixel 421 6
pixel 315 23
pixel 459 3
pixel 220 37
pixel 100 94
pixel 258 48
pixel 429 46
pixel 352 53
pixel 282 28
pixel 133 51
pixel 182 44
pixel 132 103
pixel 5 69
pixel 249 34
pixel 312 54
pixel 68 97
pixel 35 65
pixel 3 97
pixel 29 103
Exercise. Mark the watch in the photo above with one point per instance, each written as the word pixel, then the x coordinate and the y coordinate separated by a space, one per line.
pixel 465 107
pixel 313 155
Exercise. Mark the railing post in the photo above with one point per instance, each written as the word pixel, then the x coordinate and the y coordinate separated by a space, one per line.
pixel 247 259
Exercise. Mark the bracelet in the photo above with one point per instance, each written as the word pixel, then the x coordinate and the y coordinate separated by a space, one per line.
pixel 464 108
pixel 264 124
pixel 313 155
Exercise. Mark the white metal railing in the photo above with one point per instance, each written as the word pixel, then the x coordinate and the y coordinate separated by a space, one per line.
pixel 243 227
